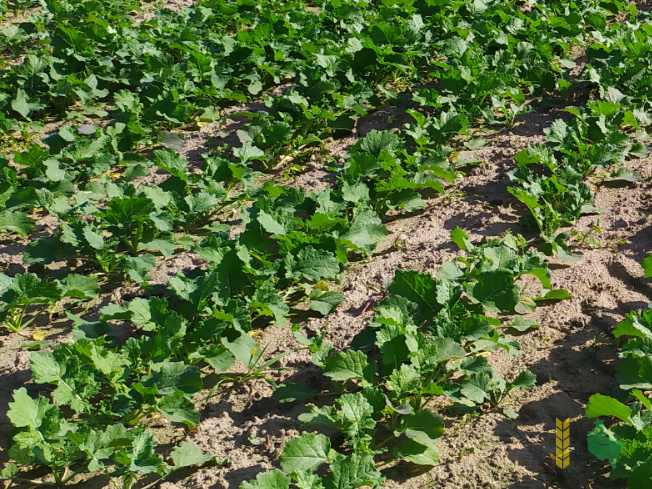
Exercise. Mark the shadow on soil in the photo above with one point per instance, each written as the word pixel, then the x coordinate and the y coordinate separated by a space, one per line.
pixel 582 363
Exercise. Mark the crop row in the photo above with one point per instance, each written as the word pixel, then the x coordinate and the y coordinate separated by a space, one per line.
pixel 471 65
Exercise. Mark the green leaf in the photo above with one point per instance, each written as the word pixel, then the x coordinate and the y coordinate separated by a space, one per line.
pixel 178 409
pixel 138 266
pixel 556 295
pixel 187 454
pixel 603 444
pixel 404 381
pixel 94 238
pixel 28 288
pixel 242 347
pixel 292 392
pixel 443 350
pixel 26 412
pixel 511 413
pixel 347 365
pixel 420 288
pixel 522 325
pixel 273 479
pixel 312 264
pixel 647 265
pixel 417 453
pixel 170 161
pixel 366 231
pixel 641 475
pixel 16 222
pixel 9 471
pixel 270 224
pixel 22 105
pixel 600 405
pixel 142 456
pixel 477 388
pixel 74 388
pixel 449 271
pixel 495 290
pixel 222 361
pixel 424 426
pixel 170 377
pixel 248 152
pixel 324 302
pixel 80 286
pixel 635 372
pixel 305 453
pixel 44 250
pixel 524 380
pixel 395 352
pixel 166 247
pixel 461 239
pixel 352 471
pixel 635 325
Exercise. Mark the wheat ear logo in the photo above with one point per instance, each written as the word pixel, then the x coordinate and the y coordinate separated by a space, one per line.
pixel 563 443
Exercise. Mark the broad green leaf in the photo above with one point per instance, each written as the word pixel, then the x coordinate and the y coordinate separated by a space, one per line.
pixel 170 161
pixel 273 479
pixel 522 325
pixel 443 350
pixel 80 286
pixel 74 387
pixel 221 361
pixel 404 381
pixel 138 266
pixel 27 412
pixel 424 426
pixel 352 471
pixel 635 372
pixel 419 288
pixel 178 409
pixel 524 380
pixel 325 302
pixel 461 239
pixel 44 250
pixel 600 405
pixel 16 222
pixel 477 388
pixel 359 412
pixel 366 231
pixel 94 238
pixel 187 454
pixel 495 290
pixel 292 392
pixel 22 105
pixel 395 352
pixel 635 325
pixel 347 365
pixel 305 453
pixel 647 265
pixel 312 264
pixel 142 456
pixel 170 377
pixel 166 247
pixel 641 475
pixel 270 224
pixel 243 347
pixel 603 444
pixel 417 453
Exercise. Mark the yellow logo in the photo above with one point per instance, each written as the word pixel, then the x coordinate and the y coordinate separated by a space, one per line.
pixel 563 443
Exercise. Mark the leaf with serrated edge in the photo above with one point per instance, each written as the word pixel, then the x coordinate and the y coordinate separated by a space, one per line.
pixel 305 453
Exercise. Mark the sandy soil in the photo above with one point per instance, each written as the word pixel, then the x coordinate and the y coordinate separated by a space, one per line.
pixel 573 353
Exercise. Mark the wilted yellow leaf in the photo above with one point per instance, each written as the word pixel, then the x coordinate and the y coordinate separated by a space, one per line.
pixel 38 335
